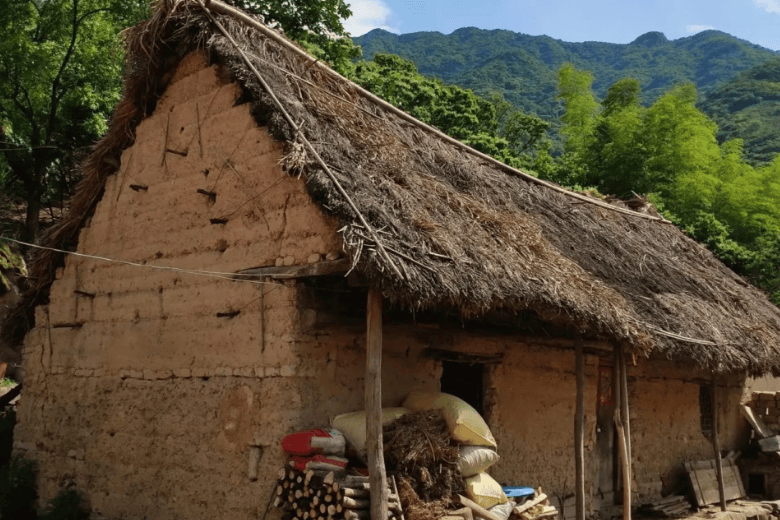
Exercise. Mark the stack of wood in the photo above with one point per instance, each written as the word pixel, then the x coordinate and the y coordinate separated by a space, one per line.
pixel 535 508
pixel 315 495
pixel 672 505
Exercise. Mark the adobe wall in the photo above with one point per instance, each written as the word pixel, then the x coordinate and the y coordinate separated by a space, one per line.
pixel 139 394
pixel 136 391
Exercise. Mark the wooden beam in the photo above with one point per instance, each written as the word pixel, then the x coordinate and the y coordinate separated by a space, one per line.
pixel 325 268
pixel 579 432
pixel 462 357
pixel 716 444
pixel 373 396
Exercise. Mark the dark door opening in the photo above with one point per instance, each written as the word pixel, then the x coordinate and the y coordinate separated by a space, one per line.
pixel 464 380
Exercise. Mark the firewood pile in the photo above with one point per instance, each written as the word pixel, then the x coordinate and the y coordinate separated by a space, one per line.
pixel 536 508
pixel 320 495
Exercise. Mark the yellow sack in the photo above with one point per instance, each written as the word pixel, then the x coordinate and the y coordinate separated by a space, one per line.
pixel 353 426
pixel 485 491
pixel 465 424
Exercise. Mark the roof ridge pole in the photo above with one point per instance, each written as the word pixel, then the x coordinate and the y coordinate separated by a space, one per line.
pixel 307 144
pixel 373 395
pixel 579 431
pixel 716 442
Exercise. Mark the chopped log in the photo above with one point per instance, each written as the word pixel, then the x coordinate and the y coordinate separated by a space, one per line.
pixel 477 509
pixel 328 478
pixel 355 493
pixel 352 503
pixel 332 510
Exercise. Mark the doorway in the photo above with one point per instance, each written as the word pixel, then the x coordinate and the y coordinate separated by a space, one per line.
pixel 464 380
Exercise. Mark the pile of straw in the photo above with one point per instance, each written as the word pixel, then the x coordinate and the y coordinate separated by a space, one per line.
pixel 419 449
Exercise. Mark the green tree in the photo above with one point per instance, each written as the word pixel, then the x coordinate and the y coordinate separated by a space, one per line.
pixel 315 24
pixel 616 156
pixel 579 119
pixel 61 64
pixel 491 126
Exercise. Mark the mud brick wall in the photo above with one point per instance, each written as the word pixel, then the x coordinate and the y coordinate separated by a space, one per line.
pixel 136 391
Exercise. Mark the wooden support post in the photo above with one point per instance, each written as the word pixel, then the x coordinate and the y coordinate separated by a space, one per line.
pixel 625 416
pixel 374 446
pixel 579 432
pixel 716 443
pixel 624 432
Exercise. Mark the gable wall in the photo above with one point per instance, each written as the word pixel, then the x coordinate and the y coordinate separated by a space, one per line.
pixel 140 395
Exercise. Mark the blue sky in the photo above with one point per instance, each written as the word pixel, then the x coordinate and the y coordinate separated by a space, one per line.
pixel 614 21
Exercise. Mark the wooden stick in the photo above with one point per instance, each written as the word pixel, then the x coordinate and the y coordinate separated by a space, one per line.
pixel 623 466
pixel 397 496
pixel 579 432
pixel 624 414
pixel 716 443
pixel 477 509
pixel 373 398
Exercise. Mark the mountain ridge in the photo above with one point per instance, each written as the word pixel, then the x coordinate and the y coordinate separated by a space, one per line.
pixel 524 68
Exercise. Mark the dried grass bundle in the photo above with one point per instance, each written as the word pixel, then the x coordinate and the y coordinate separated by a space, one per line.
pixel 416 509
pixel 418 448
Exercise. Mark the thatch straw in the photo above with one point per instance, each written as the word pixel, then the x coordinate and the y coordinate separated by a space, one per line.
pixel 465 235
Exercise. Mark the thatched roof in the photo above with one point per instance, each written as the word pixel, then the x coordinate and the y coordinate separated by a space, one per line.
pixel 463 231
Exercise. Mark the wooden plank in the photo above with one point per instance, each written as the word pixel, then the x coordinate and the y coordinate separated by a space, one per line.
pixel 324 268
pixel 579 432
pixel 706 489
pixel 477 509
pixel 373 396
pixel 756 422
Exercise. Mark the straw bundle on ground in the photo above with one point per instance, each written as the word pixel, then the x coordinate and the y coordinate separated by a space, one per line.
pixel 419 449
pixel 417 509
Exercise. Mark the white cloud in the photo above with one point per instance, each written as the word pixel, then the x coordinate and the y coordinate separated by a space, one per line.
pixel 368 15
pixel 693 29
pixel 770 6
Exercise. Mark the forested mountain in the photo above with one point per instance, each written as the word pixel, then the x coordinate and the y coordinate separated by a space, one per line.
pixel 523 68
pixel 748 107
